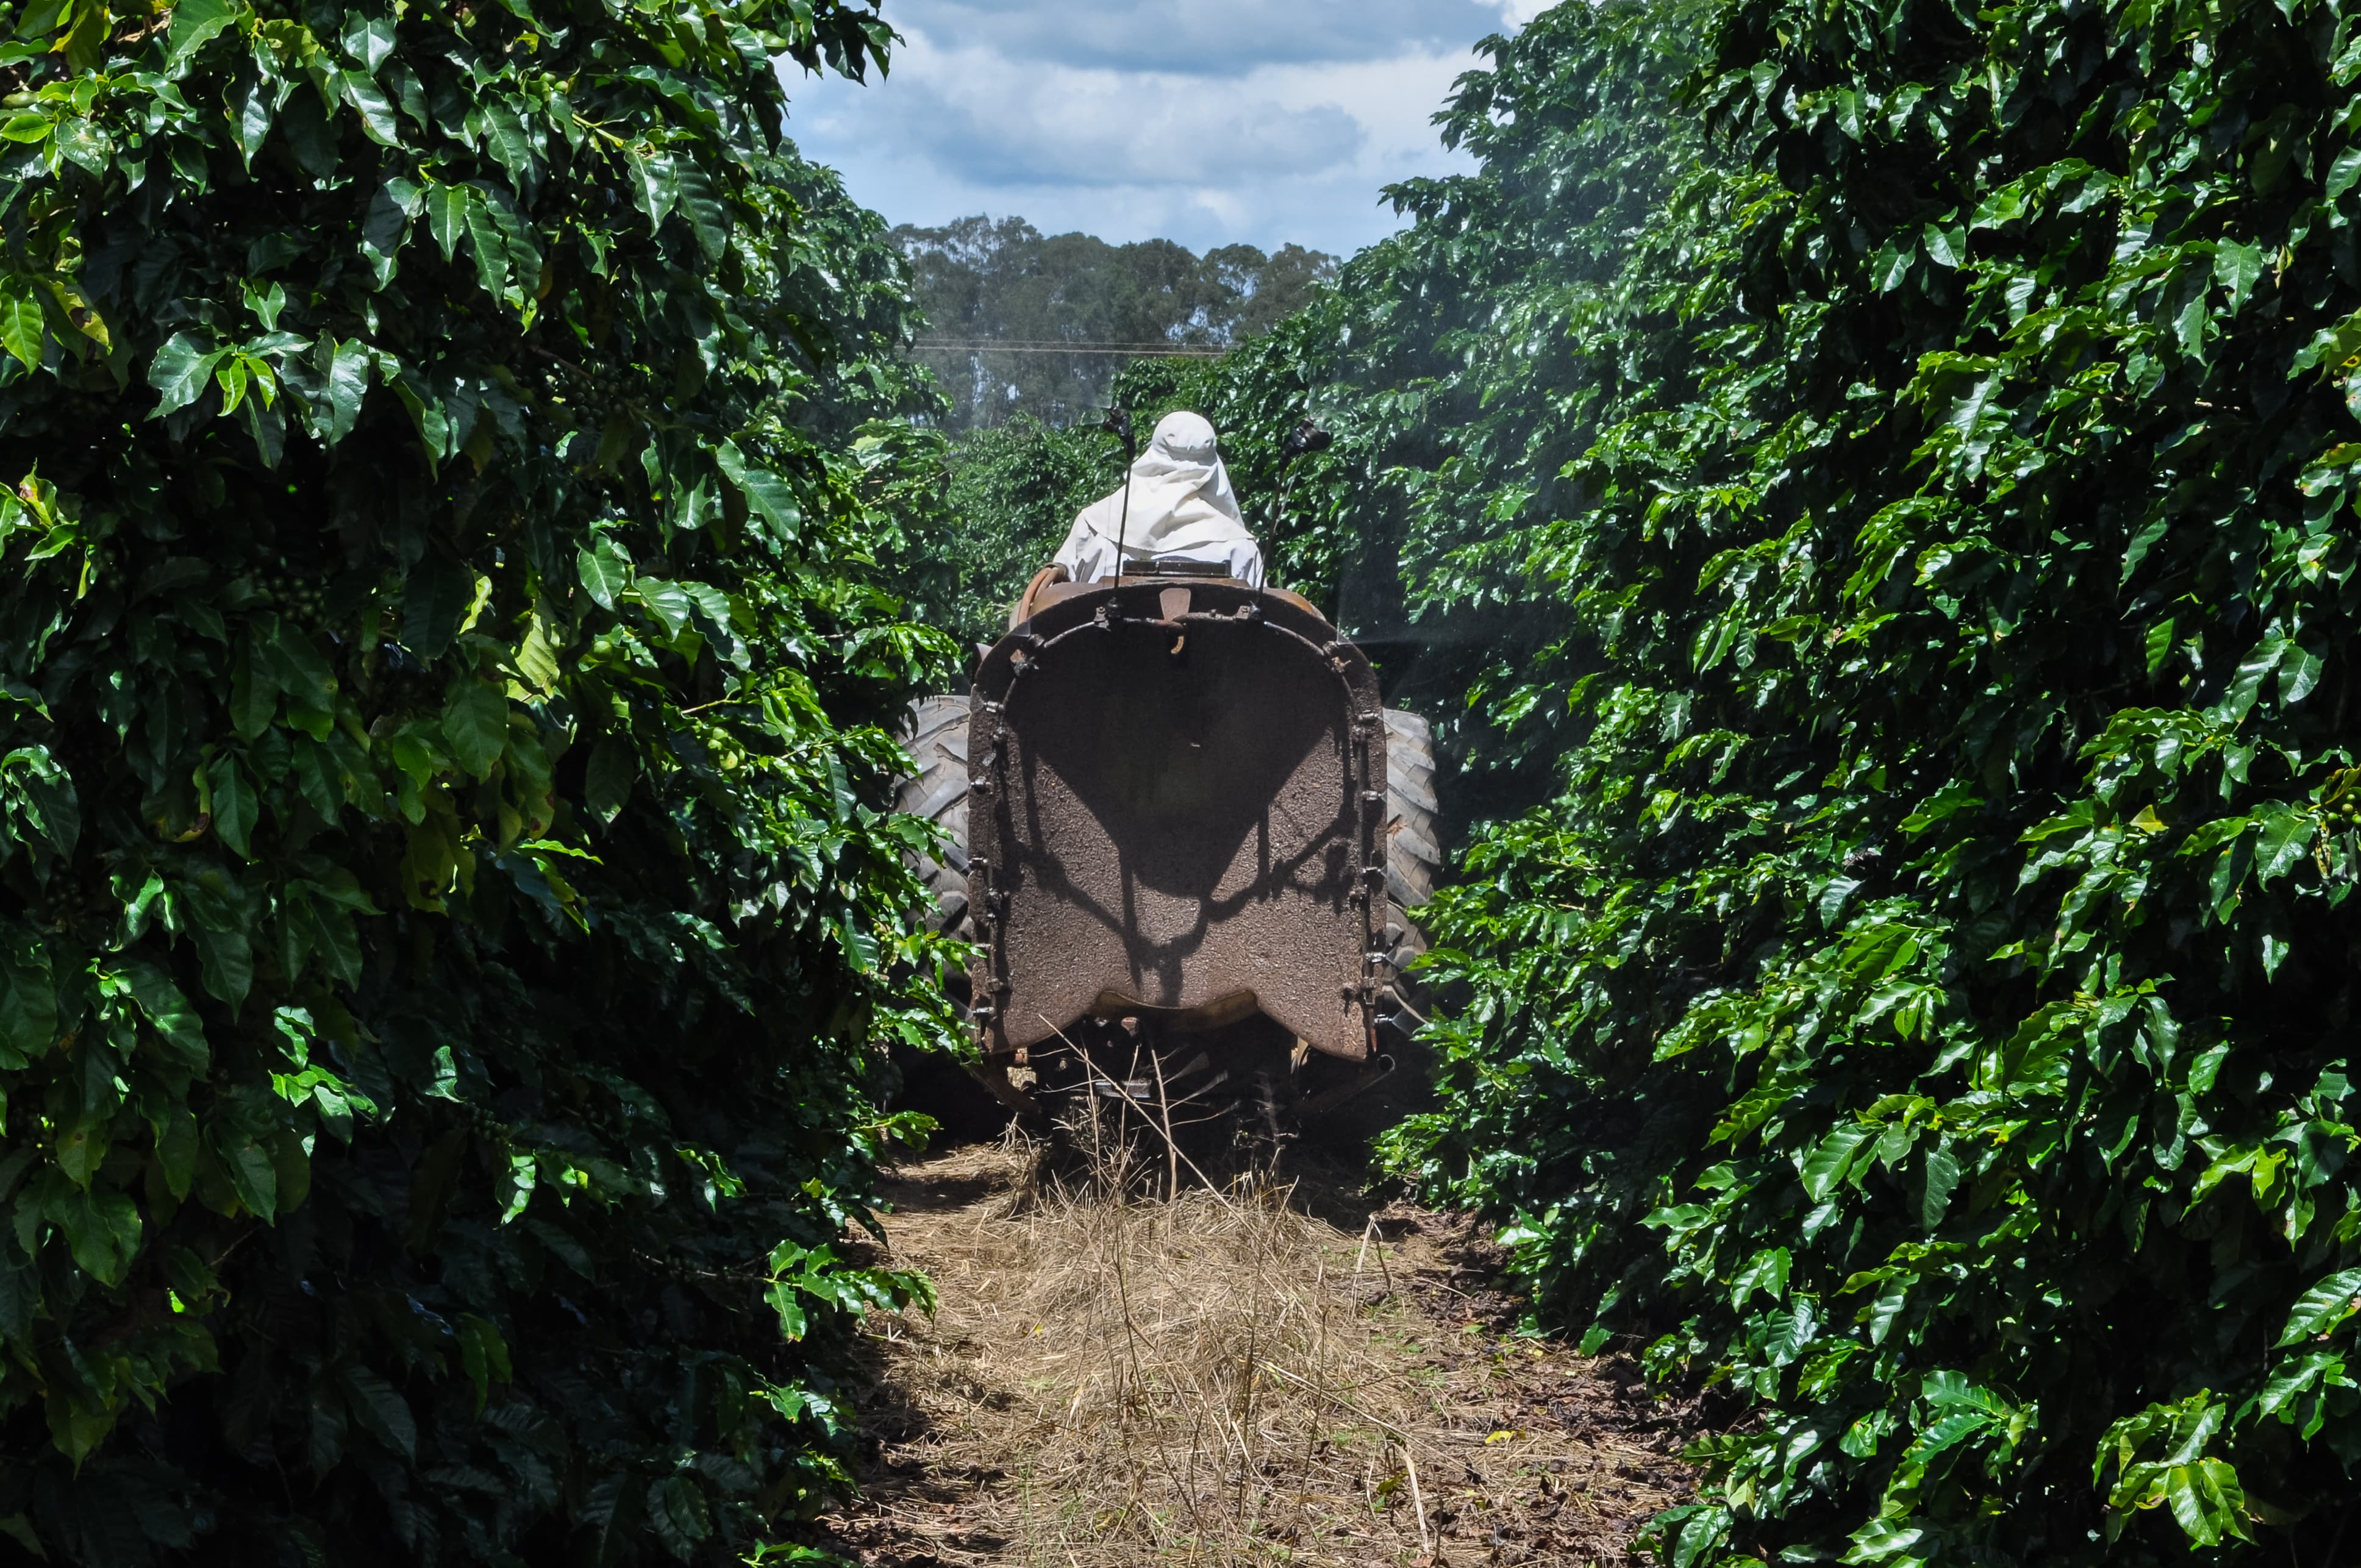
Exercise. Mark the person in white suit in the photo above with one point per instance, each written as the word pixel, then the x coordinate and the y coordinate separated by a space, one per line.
pixel 1181 506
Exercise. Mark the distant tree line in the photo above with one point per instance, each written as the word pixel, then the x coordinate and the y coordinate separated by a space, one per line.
pixel 1002 282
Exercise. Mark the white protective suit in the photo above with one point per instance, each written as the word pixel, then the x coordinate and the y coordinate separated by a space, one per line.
pixel 1181 505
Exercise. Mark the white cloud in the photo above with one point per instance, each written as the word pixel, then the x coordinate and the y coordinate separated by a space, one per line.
pixel 984 121
pixel 1200 36
pixel 1204 121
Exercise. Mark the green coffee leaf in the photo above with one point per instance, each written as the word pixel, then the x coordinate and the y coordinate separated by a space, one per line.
pixel 1825 1164
pixel 614 767
pixel 667 601
pixel 194 24
pixel 605 571
pixel 2323 1307
pixel 707 219
pixel 348 372
pixel 1939 1178
pixel 488 241
pixel 253 1175
pixel 2343 173
pixel 378 1409
pixel 102 1229
pixel 255 113
pixel 2207 1501
pixel 253 690
pixel 476 724
pixel 676 1509
pixel 447 210
pixel 1767 1274
pixel 376 113
pixel 434 602
pixel 236 806
pixel 29 1012
pixel 505 138
pixel 2287 835
pixel 80 1150
pixel 767 495
pixel 2237 267
pixel 23 326
pixel 168 1011
pixel 180 371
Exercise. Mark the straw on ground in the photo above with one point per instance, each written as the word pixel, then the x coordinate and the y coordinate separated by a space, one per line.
pixel 1227 1379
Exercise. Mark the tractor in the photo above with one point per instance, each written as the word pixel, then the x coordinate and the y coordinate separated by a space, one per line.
pixel 1185 838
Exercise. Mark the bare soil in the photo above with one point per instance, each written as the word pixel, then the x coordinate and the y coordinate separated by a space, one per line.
pixel 1272 1374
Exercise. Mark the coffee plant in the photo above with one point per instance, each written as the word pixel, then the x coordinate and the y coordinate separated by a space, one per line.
pixel 1875 484
pixel 448 921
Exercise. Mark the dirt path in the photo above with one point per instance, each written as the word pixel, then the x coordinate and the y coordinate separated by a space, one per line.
pixel 1274 1378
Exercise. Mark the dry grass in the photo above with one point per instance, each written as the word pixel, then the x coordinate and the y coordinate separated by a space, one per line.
pixel 1226 1379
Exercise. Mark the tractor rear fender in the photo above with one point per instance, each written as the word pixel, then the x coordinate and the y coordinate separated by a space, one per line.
pixel 1176 806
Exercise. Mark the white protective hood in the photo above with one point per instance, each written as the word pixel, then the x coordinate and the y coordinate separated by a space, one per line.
pixel 1181 504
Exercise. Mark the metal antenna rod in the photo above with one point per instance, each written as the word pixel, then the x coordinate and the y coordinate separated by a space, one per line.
pixel 1118 423
pixel 1306 437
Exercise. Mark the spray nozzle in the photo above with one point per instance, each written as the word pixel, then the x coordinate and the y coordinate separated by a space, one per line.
pixel 1304 438
pixel 1118 423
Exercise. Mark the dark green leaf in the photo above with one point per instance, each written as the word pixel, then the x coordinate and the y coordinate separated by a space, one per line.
pixel 1938 1180
pixel 2343 173
pixel 765 493
pixel 670 604
pixel 182 370
pixel 23 327
pixel 707 219
pixel 378 1409
pixel 605 571
pixel 28 1011
pixel 348 373
pixel 376 113
pixel 2322 1307
pixel 253 690
pixel 194 23
pixel 476 724
pixel 447 210
pixel 102 1230
pixel 1827 1164
pixel 235 805
pixel 614 767
pixel 169 1011
pixel 253 1175
pixel 434 602
pixel 2237 266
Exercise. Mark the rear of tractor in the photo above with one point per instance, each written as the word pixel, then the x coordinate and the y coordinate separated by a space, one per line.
pixel 1184 836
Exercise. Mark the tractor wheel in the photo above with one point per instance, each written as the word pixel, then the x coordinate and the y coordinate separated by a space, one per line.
pixel 938 791
pixel 1414 853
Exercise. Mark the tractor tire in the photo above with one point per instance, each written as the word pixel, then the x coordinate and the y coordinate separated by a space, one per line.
pixel 1414 853
pixel 1413 861
pixel 938 792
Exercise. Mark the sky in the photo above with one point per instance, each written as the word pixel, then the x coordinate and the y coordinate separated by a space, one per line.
pixel 1209 122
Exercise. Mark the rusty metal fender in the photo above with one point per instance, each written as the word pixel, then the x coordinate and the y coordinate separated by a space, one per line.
pixel 1176 806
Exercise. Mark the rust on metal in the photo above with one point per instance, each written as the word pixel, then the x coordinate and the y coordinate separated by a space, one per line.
pixel 1176 810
